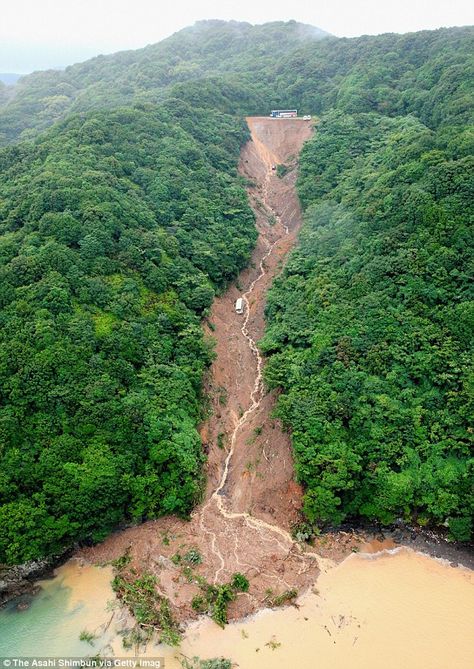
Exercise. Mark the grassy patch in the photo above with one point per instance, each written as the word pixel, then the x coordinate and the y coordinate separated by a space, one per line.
pixel 222 396
pixel 215 663
pixel 151 611
pixel 215 599
pixel 103 323
pixel 88 637
pixel 286 597
pixel 282 170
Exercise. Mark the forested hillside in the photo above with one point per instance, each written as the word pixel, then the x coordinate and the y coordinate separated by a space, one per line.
pixel 371 324
pixel 116 229
pixel 238 53
pixel 120 222
pixel 248 69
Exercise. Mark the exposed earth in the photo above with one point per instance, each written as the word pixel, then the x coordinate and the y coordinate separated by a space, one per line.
pixel 403 607
pixel 251 499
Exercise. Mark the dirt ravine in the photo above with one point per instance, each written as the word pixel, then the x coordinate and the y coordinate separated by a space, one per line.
pixel 260 473
pixel 251 497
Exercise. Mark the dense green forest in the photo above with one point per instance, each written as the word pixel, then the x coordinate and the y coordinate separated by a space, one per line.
pixel 371 323
pixel 116 230
pixel 121 215
pixel 239 54
pixel 246 69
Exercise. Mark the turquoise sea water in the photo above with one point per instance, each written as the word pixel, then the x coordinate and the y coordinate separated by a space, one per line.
pixel 74 600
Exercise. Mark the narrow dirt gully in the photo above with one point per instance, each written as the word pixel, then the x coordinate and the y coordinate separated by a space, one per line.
pixel 251 498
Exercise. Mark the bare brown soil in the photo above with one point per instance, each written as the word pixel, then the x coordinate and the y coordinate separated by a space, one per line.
pixel 251 498
pixel 261 471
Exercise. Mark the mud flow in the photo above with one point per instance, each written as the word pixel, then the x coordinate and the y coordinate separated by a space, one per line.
pixel 398 609
pixel 385 605
pixel 251 498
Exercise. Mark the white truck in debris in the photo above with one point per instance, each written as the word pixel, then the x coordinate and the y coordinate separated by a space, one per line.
pixel 239 306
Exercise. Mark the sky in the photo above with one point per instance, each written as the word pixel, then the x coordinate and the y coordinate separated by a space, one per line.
pixel 39 34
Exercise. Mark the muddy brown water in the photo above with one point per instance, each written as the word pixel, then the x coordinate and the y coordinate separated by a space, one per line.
pixel 395 607
pixel 49 623
pixel 251 500
pixel 401 610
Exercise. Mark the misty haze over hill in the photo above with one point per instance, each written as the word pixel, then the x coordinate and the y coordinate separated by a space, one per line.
pixel 9 78
pixel 233 50
pixel 122 215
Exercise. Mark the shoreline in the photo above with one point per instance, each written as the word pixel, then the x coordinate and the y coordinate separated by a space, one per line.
pixel 21 580
pixel 250 512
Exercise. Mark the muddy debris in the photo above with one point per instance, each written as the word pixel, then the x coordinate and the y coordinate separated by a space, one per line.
pixel 251 500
